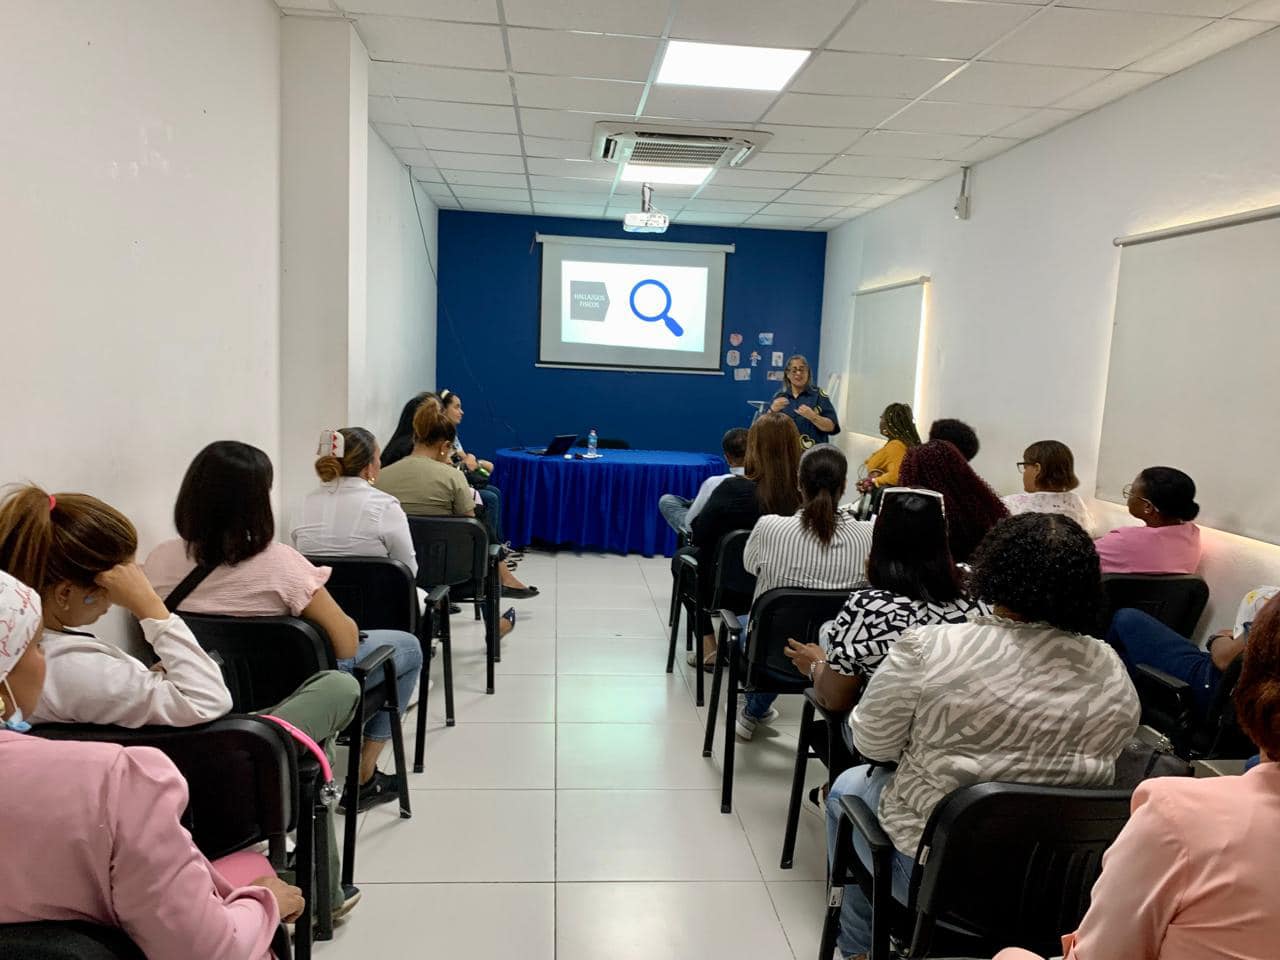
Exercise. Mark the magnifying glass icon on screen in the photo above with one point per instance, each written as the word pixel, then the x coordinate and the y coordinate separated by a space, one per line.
pixel 664 314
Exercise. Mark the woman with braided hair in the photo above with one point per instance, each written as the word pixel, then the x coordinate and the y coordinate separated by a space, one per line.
pixel 896 424
pixel 972 507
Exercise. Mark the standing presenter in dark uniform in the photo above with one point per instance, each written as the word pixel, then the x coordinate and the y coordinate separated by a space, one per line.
pixel 802 401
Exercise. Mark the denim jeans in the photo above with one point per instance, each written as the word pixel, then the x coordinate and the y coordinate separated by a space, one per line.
pixel 674 510
pixel 758 704
pixel 1140 638
pixel 407 659
pixel 491 496
pixel 868 783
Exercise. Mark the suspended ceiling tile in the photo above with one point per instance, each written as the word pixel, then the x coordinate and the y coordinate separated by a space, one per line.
pixel 1092 38
pixel 585 54
pixel 407 40
pixel 871 74
pixel 928 28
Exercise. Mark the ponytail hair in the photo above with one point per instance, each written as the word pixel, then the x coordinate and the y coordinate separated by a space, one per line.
pixel 823 472
pixel 430 425
pixel 47 539
pixel 348 458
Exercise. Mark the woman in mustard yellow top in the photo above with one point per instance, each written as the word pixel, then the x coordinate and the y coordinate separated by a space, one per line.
pixel 897 424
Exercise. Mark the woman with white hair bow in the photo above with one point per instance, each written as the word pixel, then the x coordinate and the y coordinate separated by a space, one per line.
pixel 91 831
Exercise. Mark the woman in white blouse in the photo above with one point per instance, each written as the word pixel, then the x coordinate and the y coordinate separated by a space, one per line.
pixel 1048 481
pixel 1024 695
pixel 346 515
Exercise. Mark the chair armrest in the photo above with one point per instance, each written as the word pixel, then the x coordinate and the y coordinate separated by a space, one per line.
pixel 371 661
pixel 687 560
pixel 864 822
pixel 1159 678
pixel 437 595
pixel 495 551
pixel 731 621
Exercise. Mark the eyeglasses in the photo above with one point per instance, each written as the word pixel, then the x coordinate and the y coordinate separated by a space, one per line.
pixel 1022 465
pixel 1128 493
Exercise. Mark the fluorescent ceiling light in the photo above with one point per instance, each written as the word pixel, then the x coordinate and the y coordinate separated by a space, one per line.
pixel 654 173
pixel 724 65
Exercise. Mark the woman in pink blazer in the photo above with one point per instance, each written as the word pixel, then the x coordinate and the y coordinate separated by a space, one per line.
pixel 90 831
pixel 1194 873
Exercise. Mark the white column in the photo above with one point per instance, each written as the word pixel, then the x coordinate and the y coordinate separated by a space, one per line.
pixel 323 211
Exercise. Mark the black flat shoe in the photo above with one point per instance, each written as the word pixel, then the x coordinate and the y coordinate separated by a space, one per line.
pixel 520 593
pixel 454 608
pixel 381 788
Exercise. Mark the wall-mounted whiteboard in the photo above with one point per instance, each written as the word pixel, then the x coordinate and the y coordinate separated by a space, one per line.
pixel 884 352
pixel 1192 382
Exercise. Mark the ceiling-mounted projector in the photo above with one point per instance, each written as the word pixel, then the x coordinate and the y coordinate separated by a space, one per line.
pixel 651 222
pixel 648 220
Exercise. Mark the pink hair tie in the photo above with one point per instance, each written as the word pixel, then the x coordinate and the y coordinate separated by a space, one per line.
pixel 53 502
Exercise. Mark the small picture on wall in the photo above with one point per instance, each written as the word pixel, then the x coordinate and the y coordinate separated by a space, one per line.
pixel 766 339
pixel 735 339
pixel 755 359
pixel 742 373
pixel 733 358
pixel 775 359
pixel 774 375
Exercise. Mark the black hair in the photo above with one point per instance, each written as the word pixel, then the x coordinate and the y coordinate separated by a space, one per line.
pixel 1171 492
pixel 447 399
pixel 401 443
pixel 957 433
pixel 899 424
pixel 224 505
pixel 910 555
pixel 734 444
pixel 823 472
pixel 1042 567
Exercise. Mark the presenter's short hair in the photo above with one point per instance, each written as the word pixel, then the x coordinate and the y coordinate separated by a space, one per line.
pixel 734 443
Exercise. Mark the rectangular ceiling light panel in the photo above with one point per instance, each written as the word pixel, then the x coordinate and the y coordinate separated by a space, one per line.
pixel 725 65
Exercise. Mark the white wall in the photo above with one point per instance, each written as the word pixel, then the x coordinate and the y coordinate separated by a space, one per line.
pixel 400 348
pixel 1021 303
pixel 139 210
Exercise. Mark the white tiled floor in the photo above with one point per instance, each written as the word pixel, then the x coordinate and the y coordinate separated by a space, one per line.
pixel 572 814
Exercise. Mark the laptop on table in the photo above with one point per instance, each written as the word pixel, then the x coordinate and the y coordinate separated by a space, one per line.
pixel 558 447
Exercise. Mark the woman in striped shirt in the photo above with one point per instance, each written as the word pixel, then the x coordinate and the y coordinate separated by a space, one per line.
pixel 1024 695
pixel 820 547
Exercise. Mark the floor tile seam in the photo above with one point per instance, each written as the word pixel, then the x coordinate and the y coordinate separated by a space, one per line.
pixel 781 926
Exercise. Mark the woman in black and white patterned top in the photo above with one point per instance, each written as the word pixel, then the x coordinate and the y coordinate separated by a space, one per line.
pixel 911 581
pixel 1023 695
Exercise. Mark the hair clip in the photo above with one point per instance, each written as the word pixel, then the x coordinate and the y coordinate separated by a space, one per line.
pixel 53 502
pixel 332 444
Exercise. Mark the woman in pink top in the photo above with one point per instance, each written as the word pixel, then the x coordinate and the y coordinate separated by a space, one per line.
pixel 121 856
pixel 1193 874
pixel 1164 499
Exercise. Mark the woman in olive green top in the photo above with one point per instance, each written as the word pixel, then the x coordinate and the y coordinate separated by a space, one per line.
pixel 428 485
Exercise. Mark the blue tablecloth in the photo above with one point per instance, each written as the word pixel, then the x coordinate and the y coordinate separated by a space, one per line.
pixel 606 504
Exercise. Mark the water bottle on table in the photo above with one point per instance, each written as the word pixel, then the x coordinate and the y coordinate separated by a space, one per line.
pixel 593 441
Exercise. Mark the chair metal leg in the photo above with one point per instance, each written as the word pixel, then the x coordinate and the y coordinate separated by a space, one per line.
pixel 321 888
pixel 490 643
pixel 355 746
pixel 730 720
pixel 835 888
pixel 673 622
pixel 712 715
pixel 426 632
pixel 675 602
pixel 495 600
pixel 797 786
pixel 304 866
pixel 446 651
pixel 691 628
pixel 477 605
pixel 392 706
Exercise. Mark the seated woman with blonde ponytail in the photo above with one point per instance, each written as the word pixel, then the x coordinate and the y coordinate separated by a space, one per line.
pixel 78 553
pixel 347 515
pixel 820 547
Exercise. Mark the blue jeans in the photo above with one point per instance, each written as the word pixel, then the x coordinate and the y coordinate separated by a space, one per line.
pixel 491 497
pixel 758 704
pixel 1140 638
pixel 407 658
pixel 868 783
pixel 675 510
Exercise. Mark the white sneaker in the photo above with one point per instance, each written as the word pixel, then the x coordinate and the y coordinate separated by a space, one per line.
pixel 746 725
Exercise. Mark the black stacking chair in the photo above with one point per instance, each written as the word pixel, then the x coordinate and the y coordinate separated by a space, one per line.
pixel 245 785
pixel 266 658
pixel 678 569
pixel 827 738
pixel 775 616
pixel 1168 708
pixel 455 552
pixel 999 865
pixel 379 593
pixel 733 586
pixel 1175 600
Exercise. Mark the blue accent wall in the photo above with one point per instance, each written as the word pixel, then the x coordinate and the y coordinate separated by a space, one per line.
pixel 488 305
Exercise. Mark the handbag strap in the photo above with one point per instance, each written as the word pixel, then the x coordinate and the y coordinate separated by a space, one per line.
pixel 183 590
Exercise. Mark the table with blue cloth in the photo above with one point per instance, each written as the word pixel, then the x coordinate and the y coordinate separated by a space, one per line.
pixel 606 504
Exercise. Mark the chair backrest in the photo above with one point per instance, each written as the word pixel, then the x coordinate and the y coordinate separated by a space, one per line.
pixel 376 592
pixel 786 613
pixel 241 773
pixel 264 659
pixel 1176 600
pixel 65 940
pixel 1220 734
pixel 734 584
pixel 1012 864
pixel 451 550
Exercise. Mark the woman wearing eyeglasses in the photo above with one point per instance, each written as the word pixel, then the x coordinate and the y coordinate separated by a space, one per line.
pixel 1168 542
pixel 1049 480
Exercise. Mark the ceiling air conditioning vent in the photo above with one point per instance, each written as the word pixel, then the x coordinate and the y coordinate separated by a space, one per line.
pixel 672 146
